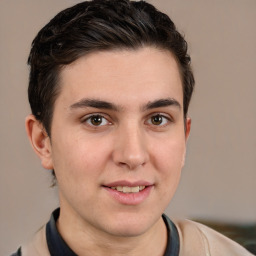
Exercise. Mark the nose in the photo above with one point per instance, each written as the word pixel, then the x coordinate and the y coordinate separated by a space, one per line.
pixel 130 149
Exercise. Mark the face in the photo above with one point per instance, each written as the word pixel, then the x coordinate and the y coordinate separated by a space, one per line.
pixel 117 139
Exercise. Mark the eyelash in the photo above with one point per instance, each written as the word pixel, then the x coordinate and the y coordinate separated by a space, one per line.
pixel 165 119
pixel 88 120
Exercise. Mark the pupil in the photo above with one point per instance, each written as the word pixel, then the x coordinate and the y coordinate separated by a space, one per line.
pixel 156 120
pixel 96 120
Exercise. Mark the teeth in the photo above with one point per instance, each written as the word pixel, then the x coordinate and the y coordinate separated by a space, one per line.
pixel 126 189
pixel 142 187
pixel 135 189
pixel 119 188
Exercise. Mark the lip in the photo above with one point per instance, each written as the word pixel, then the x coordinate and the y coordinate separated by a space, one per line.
pixel 128 183
pixel 129 198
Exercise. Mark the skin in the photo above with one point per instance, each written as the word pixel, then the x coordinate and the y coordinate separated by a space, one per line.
pixel 127 144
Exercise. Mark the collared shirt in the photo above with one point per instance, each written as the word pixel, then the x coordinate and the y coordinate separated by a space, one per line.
pixel 58 247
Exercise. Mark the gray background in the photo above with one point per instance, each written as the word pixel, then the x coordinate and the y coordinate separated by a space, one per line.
pixel 219 179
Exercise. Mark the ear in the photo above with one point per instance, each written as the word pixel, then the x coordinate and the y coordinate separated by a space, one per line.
pixel 188 126
pixel 39 140
pixel 187 132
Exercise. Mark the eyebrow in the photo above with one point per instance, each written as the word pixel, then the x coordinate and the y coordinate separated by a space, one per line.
pixel 162 103
pixel 100 104
pixel 94 103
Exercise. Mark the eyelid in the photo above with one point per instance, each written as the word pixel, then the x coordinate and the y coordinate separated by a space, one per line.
pixel 168 117
pixel 85 118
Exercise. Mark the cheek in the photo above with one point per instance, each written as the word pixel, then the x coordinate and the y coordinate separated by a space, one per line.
pixel 169 156
pixel 76 171
pixel 169 162
pixel 78 158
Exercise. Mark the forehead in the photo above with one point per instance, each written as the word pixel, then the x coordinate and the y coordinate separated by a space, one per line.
pixel 121 75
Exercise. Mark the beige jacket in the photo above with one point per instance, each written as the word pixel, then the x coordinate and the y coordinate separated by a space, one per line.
pixel 195 240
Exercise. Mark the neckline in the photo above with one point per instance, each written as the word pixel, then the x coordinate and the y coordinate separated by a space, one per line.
pixel 57 246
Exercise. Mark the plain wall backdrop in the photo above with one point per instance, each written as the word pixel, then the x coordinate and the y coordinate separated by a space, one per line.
pixel 219 179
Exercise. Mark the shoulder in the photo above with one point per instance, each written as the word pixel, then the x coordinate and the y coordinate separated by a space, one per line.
pixel 195 237
pixel 37 246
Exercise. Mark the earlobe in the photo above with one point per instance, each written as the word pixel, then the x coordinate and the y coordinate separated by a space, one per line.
pixel 39 140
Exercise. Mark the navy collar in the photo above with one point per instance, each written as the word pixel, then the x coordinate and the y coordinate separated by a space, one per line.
pixel 58 247
pixel 173 242
pixel 56 244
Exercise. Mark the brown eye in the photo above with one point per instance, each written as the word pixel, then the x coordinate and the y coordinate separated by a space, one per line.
pixel 156 120
pixel 96 120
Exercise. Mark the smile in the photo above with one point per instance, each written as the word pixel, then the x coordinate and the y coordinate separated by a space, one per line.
pixel 129 193
pixel 126 189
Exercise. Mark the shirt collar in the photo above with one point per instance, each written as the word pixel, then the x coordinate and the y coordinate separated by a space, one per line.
pixel 173 240
pixel 58 247
pixel 56 244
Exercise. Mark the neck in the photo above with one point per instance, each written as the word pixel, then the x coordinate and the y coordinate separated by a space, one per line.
pixel 84 239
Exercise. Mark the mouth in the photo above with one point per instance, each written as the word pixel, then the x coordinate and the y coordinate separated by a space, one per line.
pixel 126 189
pixel 129 193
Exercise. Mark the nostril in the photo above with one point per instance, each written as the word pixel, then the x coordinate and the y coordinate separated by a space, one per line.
pixel 130 153
pixel 131 165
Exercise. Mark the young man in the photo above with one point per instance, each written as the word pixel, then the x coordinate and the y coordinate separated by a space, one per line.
pixel 110 85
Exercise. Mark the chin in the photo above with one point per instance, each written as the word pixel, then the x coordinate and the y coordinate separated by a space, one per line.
pixel 128 231
pixel 131 225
